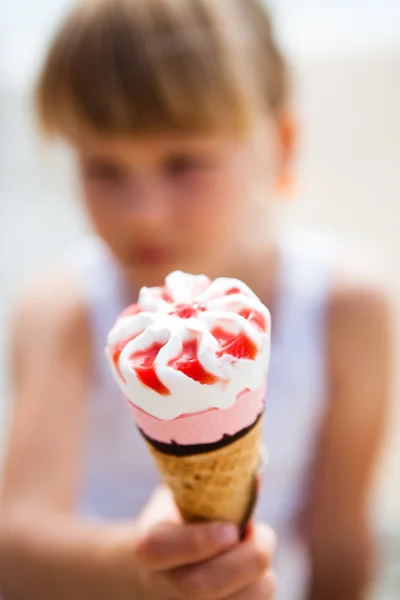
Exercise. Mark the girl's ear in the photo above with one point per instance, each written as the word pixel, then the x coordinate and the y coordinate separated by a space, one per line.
pixel 287 141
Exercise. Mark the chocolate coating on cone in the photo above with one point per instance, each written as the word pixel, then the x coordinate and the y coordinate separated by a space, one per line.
pixel 174 449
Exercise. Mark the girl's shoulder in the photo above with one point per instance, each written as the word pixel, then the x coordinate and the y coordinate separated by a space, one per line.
pixel 60 296
pixel 50 314
pixel 360 331
pixel 361 290
pixel 345 290
pixel 348 274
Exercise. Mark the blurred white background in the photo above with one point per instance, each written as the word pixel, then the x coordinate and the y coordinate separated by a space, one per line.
pixel 346 60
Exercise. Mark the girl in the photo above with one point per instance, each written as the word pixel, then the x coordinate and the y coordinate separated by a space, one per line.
pixel 177 111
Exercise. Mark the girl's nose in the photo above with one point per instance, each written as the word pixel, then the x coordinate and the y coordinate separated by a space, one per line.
pixel 148 203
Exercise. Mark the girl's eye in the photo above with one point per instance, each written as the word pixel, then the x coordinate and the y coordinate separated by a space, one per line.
pixel 181 165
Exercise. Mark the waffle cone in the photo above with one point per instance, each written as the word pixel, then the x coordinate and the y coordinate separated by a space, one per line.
pixel 215 486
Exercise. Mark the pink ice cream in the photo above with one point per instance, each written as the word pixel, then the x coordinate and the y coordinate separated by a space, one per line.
pixel 206 427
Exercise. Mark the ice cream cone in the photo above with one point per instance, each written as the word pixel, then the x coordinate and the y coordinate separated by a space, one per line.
pixel 220 485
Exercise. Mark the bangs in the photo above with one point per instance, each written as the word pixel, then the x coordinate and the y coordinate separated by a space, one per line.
pixel 141 67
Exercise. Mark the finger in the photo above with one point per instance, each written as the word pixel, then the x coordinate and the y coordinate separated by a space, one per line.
pixel 168 546
pixel 260 532
pixel 231 572
pixel 161 508
pixel 264 589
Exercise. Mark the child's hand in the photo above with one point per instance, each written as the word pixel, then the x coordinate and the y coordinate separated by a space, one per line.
pixel 202 561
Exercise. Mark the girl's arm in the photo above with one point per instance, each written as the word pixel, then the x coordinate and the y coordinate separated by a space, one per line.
pixel 336 525
pixel 41 544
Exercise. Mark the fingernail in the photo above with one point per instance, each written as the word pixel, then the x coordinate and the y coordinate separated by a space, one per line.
pixel 228 534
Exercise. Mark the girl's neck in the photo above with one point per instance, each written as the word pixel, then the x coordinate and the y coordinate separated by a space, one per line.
pixel 258 268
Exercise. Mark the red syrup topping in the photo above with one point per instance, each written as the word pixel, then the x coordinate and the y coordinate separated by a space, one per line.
pixel 186 311
pixel 237 345
pixel 117 353
pixel 255 318
pixel 234 290
pixel 166 296
pixel 189 364
pixel 143 363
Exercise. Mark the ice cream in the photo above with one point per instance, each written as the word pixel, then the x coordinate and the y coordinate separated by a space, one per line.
pixel 191 359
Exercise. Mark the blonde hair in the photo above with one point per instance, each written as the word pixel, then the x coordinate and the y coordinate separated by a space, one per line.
pixel 123 67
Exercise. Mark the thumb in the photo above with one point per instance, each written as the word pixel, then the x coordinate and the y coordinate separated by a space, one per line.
pixel 161 508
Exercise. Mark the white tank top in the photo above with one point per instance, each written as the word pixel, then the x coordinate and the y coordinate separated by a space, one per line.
pixel 118 473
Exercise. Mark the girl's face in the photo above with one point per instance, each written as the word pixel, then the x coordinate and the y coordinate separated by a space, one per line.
pixel 166 203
